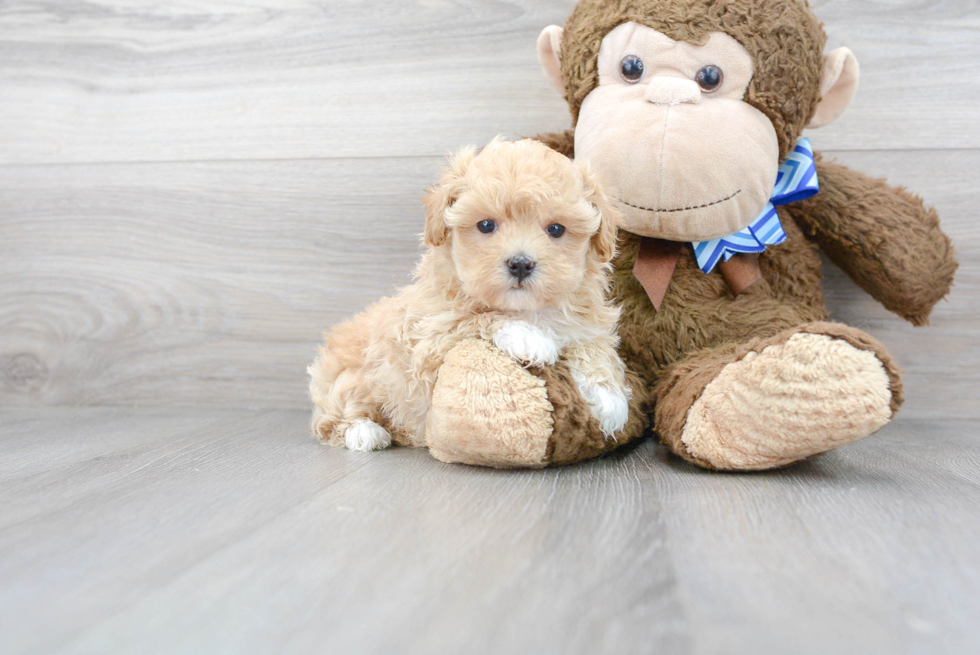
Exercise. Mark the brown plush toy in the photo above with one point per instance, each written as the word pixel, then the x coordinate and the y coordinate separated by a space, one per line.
pixel 690 110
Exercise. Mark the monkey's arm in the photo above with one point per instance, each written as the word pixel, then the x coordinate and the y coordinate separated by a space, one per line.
pixel 563 142
pixel 883 237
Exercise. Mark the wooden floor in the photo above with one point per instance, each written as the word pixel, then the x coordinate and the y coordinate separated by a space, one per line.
pixel 155 531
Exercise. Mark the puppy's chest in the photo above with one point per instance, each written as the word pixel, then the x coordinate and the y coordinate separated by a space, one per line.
pixel 564 330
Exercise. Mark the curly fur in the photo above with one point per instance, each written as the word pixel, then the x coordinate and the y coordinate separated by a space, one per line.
pixel 381 366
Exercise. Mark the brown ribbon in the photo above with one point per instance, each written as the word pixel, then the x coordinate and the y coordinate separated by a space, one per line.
pixel 654 267
pixel 656 262
pixel 741 271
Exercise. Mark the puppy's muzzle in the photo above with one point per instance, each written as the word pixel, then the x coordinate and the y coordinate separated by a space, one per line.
pixel 520 267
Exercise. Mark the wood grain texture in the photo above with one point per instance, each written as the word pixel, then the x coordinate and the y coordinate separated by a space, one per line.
pixel 200 283
pixel 240 534
pixel 221 531
pixel 106 80
pixel 870 549
pixel 209 283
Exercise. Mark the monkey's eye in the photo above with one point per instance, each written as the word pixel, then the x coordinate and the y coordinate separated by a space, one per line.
pixel 632 69
pixel 709 78
pixel 486 226
pixel 555 230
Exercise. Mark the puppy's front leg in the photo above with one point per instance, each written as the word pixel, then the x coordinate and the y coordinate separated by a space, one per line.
pixel 526 342
pixel 601 379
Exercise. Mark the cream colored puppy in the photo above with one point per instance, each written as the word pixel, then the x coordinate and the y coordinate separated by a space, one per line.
pixel 519 242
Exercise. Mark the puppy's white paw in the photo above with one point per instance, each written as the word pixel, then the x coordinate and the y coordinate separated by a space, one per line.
pixel 609 404
pixel 526 343
pixel 365 436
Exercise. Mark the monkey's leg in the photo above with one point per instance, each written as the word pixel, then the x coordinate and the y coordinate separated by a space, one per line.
pixel 776 400
pixel 490 411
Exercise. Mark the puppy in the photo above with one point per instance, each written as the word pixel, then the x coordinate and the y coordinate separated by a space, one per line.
pixel 519 243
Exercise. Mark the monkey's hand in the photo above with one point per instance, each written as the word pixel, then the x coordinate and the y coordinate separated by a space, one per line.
pixel 563 142
pixel 886 240
pixel 490 410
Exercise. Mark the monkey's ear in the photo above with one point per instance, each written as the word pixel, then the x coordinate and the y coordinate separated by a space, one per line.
pixel 441 196
pixel 549 54
pixel 837 86
pixel 604 240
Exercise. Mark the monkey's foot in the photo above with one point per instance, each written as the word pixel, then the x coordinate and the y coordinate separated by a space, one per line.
pixel 776 401
pixel 489 410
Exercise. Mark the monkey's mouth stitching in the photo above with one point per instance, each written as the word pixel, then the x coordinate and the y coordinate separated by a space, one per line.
pixel 681 209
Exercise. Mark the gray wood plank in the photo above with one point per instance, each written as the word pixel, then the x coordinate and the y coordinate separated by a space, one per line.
pixel 870 549
pixel 118 81
pixel 242 264
pixel 97 450
pixel 258 540
pixel 140 512
pixel 920 76
pixel 209 283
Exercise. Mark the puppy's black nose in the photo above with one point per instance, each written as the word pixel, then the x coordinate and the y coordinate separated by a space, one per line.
pixel 521 267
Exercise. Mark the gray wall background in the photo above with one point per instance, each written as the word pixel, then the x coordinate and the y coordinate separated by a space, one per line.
pixel 190 192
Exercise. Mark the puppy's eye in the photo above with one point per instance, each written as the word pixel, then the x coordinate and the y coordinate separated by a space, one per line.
pixel 555 230
pixel 486 226
pixel 632 69
pixel 709 78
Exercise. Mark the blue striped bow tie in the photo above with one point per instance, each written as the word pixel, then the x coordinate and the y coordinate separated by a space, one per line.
pixel 797 180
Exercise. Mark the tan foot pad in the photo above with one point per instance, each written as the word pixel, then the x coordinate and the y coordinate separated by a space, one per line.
pixel 488 410
pixel 792 400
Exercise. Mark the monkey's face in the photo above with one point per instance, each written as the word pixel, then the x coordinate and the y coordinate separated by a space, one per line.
pixel 671 138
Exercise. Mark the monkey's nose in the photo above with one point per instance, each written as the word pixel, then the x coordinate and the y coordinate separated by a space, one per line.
pixel 521 267
pixel 666 90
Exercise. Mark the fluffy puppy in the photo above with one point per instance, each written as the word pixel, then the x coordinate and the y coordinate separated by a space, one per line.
pixel 519 243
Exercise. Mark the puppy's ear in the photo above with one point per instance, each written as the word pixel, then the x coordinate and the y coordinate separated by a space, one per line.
pixel 604 240
pixel 440 197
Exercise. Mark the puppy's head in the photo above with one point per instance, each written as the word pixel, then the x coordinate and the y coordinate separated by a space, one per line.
pixel 523 224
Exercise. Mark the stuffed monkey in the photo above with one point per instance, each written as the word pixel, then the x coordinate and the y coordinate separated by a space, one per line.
pixel 692 111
